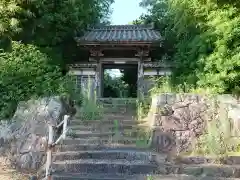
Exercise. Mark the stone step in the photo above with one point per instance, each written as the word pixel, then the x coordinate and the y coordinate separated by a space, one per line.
pixel 123 103
pixel 129 107
pixel 104 140
pixel 112 116
pixel 104 166
pixel 210 170
pixel 81 176
pixel 86 134
pixel 106 134
pixel 109 99
pixel 109 127
pixel 106 121
pixel 120 107
pixel 89 147
pixel 110 154
pixel 182 172
pixel 119 111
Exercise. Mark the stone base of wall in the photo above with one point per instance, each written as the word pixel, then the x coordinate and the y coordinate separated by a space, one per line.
pixel 178 120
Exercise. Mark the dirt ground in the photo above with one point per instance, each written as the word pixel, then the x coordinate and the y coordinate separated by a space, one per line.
pixel 7 173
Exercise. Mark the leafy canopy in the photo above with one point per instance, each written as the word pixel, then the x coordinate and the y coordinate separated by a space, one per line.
pixel 36 41
pixel 202 38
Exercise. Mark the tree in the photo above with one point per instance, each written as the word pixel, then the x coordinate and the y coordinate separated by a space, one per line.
pixel 202 39
pixel 51 24
pixel 25 72
pixel 36 38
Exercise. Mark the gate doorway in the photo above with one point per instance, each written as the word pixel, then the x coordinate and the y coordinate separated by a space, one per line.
pixel 119 80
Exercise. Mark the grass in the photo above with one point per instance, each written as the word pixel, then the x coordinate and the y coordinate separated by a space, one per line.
pixel 149 177
pixel 143 139
pixel 217 140
pixel 90 109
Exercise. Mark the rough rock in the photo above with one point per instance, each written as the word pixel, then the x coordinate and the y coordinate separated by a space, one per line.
pixel 24 138
pixel 184 116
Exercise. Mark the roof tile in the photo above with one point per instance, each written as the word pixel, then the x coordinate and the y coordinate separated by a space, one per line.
pixel 120 34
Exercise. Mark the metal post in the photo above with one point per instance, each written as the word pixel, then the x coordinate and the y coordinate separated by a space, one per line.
pixel 49 152
pixel 66 117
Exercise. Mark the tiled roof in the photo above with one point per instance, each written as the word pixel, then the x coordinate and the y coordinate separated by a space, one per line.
pixel 120 34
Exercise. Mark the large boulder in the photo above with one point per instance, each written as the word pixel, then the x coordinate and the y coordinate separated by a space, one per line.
pixel 23 139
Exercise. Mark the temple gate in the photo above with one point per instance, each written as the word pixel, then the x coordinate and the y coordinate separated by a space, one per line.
pixel 114 45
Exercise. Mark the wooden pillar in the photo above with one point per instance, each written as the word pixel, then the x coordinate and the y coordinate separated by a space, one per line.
pixel 98 78
pixel 141 54
pixel 140 77
pixel 96 53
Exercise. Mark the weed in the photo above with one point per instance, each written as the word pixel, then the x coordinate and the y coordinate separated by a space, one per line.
pixel 143 139
pixel 116 126
pixel 89 110
pixel 217 139
pixel 143 106
pixel 149 177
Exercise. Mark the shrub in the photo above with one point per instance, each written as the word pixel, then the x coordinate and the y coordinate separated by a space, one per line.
pixel 90 109
pixel 26 72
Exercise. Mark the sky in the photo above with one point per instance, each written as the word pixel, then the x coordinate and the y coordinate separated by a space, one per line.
pixel 125 11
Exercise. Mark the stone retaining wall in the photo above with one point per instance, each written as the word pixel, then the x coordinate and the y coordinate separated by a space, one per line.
pixel 183 117
pixel 23 139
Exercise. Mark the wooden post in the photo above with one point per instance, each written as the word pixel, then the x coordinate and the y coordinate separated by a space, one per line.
pixel 49 152
pixel 140 78
pixel 141 54
pixel 96 54
pixel 65 121
pixel 98 78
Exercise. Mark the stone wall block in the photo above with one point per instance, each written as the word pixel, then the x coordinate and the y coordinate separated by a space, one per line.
pixel 161 99
pixel 191 98
pixel 162 141
pixel 23 139
pixel 227 99
pixel 171 98
pixel 180 105
pixel 155 120
pixel 195 110
pixel 183 114
pixel 179 98
pixel 186 116
pixel 165 110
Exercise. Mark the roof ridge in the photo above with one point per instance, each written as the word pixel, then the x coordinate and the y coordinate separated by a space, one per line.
pixel 121 34
pixel 122 27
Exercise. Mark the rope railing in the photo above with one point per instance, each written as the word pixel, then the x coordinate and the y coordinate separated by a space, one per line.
pixel 51 144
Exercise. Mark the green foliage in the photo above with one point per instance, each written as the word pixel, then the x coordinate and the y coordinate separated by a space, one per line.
pixel 45 30
pixel 25 73
pixel 49 23
pixel 90 110
pixel 143 107
pixel 143 139
pixel 89 107
pixel 202 38
pixel 115 85
pixel 162 85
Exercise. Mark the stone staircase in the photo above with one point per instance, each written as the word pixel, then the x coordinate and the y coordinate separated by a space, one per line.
pixel 97 151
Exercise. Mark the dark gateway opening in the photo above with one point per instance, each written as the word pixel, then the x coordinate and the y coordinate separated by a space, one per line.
pixel 120 80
